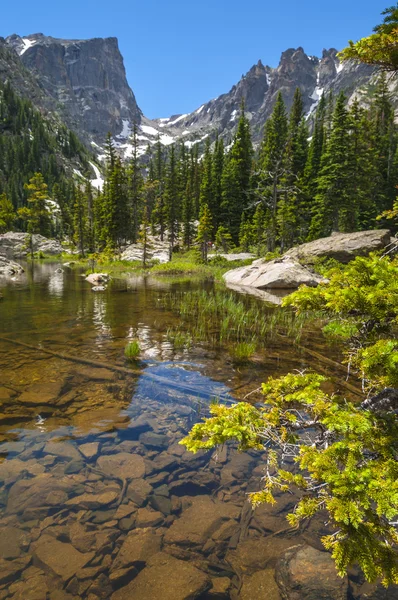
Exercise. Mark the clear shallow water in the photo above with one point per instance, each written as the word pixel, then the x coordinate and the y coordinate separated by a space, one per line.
pixel 97 498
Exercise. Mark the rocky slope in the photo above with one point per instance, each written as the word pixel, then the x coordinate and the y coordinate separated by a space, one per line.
pixel 85 78
pixel 259 89
pixel 84 81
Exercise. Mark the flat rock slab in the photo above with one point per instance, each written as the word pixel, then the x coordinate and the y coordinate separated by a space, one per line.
pixel 260 585
pixel 138 547
pixel 167 578
pixel 10 569
pixel 304 572
pixel 60 557
pixel 122 465
pixel 89 450
pixel 342 246
pixel 63 450
pixel 198 522
pixel 281 273
pixel 12 540
pixel 42 490
pixel 93 501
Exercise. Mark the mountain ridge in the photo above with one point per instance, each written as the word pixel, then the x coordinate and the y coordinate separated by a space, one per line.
pixel 85 82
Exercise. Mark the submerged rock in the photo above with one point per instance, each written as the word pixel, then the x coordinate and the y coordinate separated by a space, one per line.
pixel 304 572
pixel 61 558
pixel 281 273
pixel 167 578
pixel 342 246
pixel 260 585
pixel 198 522
pixel 137 548
pixel 122 465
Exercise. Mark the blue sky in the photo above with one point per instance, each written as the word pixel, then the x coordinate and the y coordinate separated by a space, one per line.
pixel 179 54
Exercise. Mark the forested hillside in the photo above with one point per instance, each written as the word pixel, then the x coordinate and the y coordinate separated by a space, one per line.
pixel 295 188
pixel 29 144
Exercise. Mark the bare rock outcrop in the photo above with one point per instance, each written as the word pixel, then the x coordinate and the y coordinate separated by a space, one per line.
pixel 342 246
pixel 9 268
pixel 13 244
pixel 281 273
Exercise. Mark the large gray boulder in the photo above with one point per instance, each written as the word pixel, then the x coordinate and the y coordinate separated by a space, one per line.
pixel 281 273
pixel 13 245
pixel 9 268
pixel 342 246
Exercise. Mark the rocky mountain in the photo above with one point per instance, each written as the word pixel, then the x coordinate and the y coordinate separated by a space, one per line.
pixel 259 89
pixel 84 82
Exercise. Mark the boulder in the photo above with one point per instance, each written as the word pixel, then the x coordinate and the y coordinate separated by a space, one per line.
pixel 13 245
pixel 167 578
pixel 281 273
pixel 95 278
pixel 8 268
pixel 342 246
pixel 304 572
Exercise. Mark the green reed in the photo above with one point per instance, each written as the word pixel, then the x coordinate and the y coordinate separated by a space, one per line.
pixel 221 317
pixel 132 350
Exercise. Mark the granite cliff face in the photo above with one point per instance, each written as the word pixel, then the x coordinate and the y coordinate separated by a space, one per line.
pixel 85 78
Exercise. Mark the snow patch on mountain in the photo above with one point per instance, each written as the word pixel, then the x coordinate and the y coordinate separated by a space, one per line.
pixel 26 45
pixel 98 182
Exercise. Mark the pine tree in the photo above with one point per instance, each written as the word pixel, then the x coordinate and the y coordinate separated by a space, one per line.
pixel 236 177
pixel 204 230
pixel 216 183
pixel 259 231
pixel 335 205
pixel 36 214
pixel 206 191
pixel 223 239
pixel 80 221
pixel 172 200
pixel 272 163
pixel 7 214
pixel 135 185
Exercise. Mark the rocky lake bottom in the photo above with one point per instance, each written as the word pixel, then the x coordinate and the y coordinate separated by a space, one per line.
pixel 98 500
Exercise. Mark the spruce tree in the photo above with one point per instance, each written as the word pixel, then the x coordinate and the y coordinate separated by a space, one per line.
pixel 335 204
pixel 7 214
pixel 272 163
pixel 236 177
pixel 135 185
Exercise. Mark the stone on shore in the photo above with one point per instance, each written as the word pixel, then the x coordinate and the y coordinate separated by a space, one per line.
pixel 342 246
pixel 281 273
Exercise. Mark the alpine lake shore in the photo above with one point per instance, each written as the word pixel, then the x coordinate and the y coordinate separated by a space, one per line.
pixel 98 500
